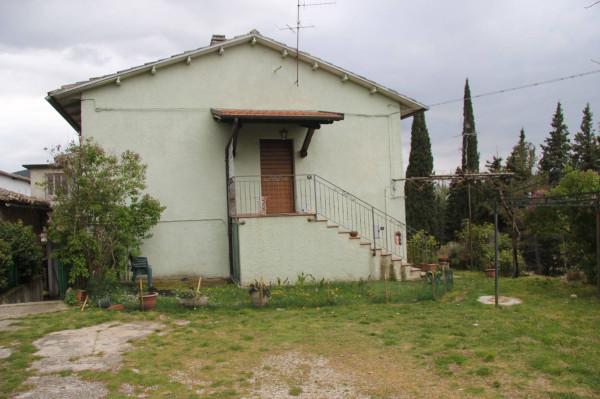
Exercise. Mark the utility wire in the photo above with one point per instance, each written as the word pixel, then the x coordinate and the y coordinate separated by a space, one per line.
pixel 516 88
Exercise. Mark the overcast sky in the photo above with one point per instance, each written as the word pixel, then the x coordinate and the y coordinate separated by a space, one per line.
pixel 424 49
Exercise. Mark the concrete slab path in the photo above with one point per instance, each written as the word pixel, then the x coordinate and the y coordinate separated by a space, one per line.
pixel 16 310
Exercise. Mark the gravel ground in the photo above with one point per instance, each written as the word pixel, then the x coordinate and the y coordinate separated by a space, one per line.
pixel 297 375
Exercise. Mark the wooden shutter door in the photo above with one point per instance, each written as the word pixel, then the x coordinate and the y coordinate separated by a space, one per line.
pixel 277 175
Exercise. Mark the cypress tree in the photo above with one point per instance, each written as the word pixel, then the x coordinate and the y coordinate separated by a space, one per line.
pixel 522 158
pixel 458 204
pixel 585 147
pixel 420 196
pixel 470 155
pixel 555 153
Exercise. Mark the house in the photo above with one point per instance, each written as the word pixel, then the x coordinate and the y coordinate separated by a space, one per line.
pixel 44 178
pixel 15 183
pixel 263 175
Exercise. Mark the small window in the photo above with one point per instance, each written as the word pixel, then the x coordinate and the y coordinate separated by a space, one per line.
pixel 54 182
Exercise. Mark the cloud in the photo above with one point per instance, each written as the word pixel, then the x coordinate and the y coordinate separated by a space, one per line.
pixel 423 49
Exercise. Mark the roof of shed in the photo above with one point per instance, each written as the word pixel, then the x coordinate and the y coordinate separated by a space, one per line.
pixel 10 197
pixel 66 99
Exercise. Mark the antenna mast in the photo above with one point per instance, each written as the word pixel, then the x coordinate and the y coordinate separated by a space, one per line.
pixel 297 31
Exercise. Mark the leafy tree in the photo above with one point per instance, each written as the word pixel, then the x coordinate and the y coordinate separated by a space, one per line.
pixel 24 249
pixel 586 151
pixel 470 154
pixel 420 196
pixel 555 153
pixel 101 215
pixel 578 223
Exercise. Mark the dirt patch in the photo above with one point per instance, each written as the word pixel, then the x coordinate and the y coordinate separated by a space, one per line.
pixel 297 375
pixel 71 387
pixel 90 348
pixel 502 300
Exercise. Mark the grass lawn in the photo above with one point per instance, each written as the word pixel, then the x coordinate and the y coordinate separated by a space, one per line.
pixel 548 347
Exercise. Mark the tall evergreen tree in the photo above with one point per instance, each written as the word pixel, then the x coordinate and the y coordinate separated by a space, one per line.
pixel 457 208
pixel 586 152
pixel 470 155
pixel 555 153
pixel 420 196
pixel 522 158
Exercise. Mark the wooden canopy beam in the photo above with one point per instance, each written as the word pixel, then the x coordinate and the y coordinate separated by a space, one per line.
pixel 309 134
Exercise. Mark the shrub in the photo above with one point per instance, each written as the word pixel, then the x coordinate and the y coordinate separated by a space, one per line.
pixel 483 250
pixel 5 264
pixel 24 249
pixel 422 248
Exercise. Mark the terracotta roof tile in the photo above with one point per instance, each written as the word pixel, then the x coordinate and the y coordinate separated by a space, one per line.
pixel 271 114
pixel 10 197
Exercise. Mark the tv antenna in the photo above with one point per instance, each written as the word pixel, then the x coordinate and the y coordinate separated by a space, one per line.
pixel 296 30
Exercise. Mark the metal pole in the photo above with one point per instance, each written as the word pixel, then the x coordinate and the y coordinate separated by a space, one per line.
pixel 374 239
pixel 315 189
pixel 496 250
pixel 598 247
pixel 470 234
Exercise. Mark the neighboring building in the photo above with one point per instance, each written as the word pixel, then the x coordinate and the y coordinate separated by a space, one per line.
pixel 243 159
pixel 45 178
pixel 15 183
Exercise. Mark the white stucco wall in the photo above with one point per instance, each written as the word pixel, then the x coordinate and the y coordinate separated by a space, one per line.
pixel 166 119
pixel 15 184
pixel 283 247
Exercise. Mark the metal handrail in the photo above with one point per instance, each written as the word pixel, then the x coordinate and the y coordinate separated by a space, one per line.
pixel 313 194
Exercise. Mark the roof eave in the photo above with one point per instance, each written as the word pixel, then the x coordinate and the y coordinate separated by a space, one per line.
pixel 409 103
pixel 58 107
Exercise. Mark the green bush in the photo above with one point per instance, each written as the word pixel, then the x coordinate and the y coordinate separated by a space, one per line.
pixel 482 236
pixel 5 264
pixel 24 249
pixel 422 248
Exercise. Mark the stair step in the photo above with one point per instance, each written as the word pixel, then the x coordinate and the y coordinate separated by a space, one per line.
pixel 365 243
pixel 332 226
pixel 354 238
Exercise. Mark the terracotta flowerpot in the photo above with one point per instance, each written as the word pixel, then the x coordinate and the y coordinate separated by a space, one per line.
pixel 80 295
pixel 490 272
pixel 354 234
pixel 427 267
pixel 119 307
pixel 148 301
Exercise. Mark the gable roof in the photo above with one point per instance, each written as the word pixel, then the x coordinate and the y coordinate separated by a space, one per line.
pixel 15 176
pixel 66 99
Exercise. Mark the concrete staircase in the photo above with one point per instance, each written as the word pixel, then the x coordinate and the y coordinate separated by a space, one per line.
pixel 382 264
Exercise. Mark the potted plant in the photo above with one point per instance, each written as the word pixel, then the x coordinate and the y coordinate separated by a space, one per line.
pixel 490 272
pixel 259 293
pixel 81 295
pixel 190 298
pixel 148 300
pixel 354 234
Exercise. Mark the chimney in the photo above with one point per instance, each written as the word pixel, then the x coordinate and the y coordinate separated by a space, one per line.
pixel 216 39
